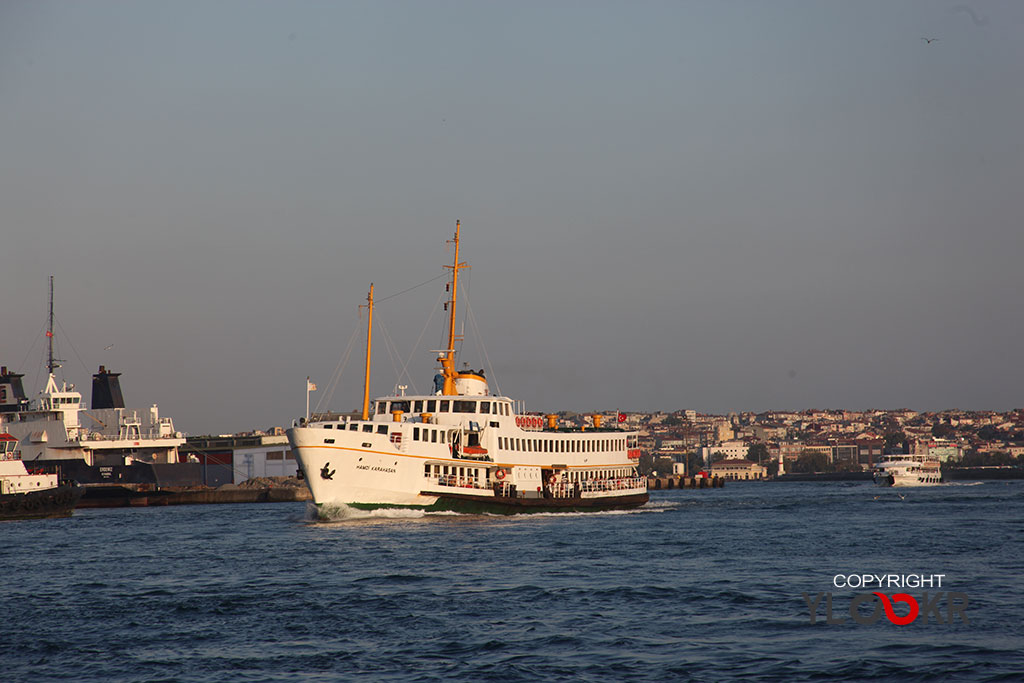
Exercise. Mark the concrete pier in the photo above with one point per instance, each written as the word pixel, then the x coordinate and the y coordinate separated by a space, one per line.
pixel 143 496
pixel 665 483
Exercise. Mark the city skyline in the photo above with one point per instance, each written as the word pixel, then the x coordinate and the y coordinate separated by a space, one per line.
pixel 723 208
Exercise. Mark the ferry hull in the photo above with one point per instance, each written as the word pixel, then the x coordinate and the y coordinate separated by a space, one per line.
pixel 503 505
pixel 886 479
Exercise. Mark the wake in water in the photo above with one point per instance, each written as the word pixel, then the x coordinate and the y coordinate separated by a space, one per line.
pixel 331 513
pixel 345 513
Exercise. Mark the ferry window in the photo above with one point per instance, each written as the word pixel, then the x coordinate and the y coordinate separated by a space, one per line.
pixel 433 436
pixel 463 406
pixel 442 407
pixel 426 470
pixel 328 426
pixel 400 405
pixel 417 406
pixel 415 433
pixel 353 427
pixel 380 407
pixel 431 406
pixel 437 469
pixel 382 429
pixel 367 428
pixel 485 407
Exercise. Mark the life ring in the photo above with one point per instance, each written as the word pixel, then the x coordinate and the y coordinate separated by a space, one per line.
pixel 499 474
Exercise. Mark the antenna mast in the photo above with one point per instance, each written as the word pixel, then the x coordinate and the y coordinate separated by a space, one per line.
pixel 51 363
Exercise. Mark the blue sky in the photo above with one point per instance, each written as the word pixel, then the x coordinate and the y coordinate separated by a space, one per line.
pixel 720 206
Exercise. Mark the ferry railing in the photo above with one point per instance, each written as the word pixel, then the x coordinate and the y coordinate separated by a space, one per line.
pixel 455 481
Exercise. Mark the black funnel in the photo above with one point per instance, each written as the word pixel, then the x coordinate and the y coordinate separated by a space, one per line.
pixel 12 394
pixel 106 390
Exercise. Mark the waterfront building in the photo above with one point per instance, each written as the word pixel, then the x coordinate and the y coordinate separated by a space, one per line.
pixel 739 469
pixel 235 459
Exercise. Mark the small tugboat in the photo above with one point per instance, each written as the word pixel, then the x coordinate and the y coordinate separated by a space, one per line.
pixel 463 449
pixel 29 495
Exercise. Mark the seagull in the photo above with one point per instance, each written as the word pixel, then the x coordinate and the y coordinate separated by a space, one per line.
pixel 108 347
pixel 902 497
pixel 929 41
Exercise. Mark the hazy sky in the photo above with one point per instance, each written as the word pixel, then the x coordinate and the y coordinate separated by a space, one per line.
pixel 719 206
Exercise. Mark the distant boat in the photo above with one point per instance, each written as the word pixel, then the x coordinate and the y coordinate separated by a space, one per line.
pixel 908 470
pixel 461 448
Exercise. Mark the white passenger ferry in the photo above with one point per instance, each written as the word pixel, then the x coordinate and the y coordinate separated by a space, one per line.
pixel 462 448
pixel 908 470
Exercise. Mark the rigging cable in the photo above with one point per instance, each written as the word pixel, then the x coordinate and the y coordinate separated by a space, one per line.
pixel 480 342
pixel 392 296
pixel 394 354
pixel 65 335
pixel 422 332
pixel 335 379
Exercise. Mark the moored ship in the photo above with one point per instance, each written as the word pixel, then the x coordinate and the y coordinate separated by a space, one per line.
pixel 99 445
pixel 461 448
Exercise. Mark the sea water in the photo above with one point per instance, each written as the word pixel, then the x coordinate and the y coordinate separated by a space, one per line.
pixel 702 585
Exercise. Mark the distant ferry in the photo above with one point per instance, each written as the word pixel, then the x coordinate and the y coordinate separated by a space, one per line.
pixel 908 470
pixel 461 448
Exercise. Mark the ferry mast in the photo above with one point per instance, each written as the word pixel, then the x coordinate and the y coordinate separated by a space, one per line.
pixel 448 359
pixel 369 346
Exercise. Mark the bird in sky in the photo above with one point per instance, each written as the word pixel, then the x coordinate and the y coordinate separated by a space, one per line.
pixel 929 41
pixel 108 347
